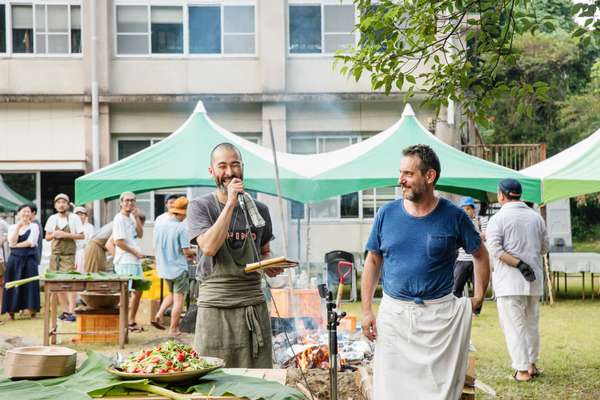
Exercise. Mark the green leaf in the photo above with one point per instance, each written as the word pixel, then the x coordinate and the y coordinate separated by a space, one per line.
pixel 222 384
pixel 411 79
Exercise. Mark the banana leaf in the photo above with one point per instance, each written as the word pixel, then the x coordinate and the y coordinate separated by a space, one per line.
pixel 219 383
pixel 138 283
pixel 92 381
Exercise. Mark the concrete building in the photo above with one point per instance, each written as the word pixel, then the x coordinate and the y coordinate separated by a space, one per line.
pixel 254 64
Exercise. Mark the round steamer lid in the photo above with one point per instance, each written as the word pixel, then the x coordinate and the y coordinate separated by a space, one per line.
pixel 43 351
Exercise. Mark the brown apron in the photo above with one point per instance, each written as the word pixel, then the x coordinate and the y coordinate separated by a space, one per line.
pixel 63 253
pixel 233 320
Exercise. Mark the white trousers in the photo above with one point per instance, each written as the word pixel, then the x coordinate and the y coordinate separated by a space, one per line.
pixel 421 351
pixel 519 319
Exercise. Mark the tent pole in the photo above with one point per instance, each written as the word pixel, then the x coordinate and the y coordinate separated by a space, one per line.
pixel 278 185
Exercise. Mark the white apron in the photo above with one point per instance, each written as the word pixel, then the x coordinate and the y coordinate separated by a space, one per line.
pixel 422 350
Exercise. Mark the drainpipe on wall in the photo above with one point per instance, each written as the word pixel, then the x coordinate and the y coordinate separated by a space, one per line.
pixel 95 109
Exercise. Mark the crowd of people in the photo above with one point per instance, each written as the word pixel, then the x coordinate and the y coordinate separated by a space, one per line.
pixel 423 246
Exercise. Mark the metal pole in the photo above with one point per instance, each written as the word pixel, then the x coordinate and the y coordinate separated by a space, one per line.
pixel 278 185
pixel 95 108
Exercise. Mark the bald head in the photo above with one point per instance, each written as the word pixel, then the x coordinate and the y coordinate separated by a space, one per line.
pixel 224 147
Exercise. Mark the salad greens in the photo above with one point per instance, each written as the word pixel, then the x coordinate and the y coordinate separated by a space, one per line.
pixel 165 358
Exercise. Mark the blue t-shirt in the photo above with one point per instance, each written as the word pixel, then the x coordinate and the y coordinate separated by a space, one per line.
pixel 419 252
pixel 170 236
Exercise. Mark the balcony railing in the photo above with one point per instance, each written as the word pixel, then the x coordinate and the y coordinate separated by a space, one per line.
pixel 515 156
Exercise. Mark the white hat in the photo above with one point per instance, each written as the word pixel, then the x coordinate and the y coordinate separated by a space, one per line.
pixel 80 210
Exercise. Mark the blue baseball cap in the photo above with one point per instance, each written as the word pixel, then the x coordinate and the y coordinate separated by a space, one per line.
pixel 510 187
pixel 467 201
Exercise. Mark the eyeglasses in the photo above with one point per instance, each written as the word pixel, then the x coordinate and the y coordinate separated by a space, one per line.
pixel 128 200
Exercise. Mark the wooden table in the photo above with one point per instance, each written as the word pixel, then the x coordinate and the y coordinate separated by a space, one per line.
pixel 53 286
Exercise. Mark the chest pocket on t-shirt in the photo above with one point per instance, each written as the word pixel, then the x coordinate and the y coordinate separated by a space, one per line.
pixel 440 246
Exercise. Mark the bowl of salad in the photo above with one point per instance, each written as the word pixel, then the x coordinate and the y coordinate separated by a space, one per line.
pixel 167 362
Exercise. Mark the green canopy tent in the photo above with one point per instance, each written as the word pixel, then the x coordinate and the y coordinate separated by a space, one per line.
pixel 9 199
pixel 572 172
pixel 182 158
pixel 375 162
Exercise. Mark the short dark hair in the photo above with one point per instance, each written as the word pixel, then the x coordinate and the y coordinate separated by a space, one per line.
pixel 22 206
pixel 172 197
pixel 33 207
pixel 224 146
pixel 429 160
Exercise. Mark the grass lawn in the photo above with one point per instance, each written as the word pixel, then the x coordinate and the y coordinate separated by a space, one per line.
pixel 570 347
pixel 569 356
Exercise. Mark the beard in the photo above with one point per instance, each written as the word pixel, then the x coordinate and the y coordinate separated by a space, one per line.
pixel 222 182
pixel 415 194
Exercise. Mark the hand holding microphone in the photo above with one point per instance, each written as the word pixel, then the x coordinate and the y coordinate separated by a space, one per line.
pixel 234 189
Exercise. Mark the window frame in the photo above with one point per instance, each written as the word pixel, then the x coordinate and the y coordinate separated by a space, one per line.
pixel 322 4
pixel 33 3
pixel 185 4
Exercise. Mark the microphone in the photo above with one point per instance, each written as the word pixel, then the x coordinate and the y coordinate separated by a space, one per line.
pixel 241 200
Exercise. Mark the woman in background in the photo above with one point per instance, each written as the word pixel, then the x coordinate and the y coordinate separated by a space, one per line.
pixel 22 263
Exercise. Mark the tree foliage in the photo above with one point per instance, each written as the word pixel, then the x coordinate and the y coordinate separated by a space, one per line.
pixel 562 65
pixel 454 48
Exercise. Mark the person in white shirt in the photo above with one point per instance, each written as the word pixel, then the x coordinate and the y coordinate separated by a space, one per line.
pixel 88 233
pixel 128 255
pixel 517 239
pixel 21 264
pixel 63 229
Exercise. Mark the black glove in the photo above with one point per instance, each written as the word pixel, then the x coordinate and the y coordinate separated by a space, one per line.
pixel 527 271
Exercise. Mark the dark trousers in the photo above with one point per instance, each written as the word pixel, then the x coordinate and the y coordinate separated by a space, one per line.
pixel 463 273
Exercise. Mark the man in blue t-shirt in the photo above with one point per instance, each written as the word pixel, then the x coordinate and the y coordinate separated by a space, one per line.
pixel 422 329
pixel 172 248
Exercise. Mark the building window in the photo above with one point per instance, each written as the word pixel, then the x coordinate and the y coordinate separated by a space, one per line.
pixel 209 29
pixel 238 30
pixel 205 29
pixel 53 29
pixel 167 30
pixel 321 29
pixel 132 30
pixel 2 28
pixel 22 29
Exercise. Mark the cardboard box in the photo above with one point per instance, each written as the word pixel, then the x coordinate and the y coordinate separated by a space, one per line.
pixel 147 310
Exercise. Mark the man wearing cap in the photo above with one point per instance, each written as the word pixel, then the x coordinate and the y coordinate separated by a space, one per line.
pixel 463 269
pixel 517 240
pixel 233 321
pixel 63 229
pixel 422 330
pixel 172 248
pixel 127 226
pixel 88 232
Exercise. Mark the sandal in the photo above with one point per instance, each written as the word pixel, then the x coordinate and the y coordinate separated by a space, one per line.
pixel 134 327
pixel 536 372
pixel 158 325
pixel 520 380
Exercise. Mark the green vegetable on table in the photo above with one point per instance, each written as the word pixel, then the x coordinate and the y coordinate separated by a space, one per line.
pixel 138 283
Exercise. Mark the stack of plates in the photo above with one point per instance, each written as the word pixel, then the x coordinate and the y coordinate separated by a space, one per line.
pixel 39 362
